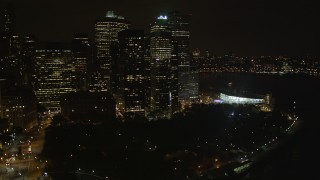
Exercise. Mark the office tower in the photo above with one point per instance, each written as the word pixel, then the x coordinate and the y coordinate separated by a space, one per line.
pixel 187 77
pixel 106 32
pixel 116 68
pixel 188 85
pixel 97 82
pixel 83 56
pixel 147 62
pixel 180 28
pixel 132 71
pixel 161 72
pixel 54 73
pixel 28 46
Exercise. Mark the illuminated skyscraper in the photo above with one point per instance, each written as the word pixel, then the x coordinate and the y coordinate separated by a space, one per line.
pixel 82 55
pixel 28 45
pixel 180 28
pixel 106 32
pixel 132 49
pixel 54 73
pixel 161 72
pixel 186 77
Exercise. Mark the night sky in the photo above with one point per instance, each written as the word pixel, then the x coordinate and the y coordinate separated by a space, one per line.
pixel 243 27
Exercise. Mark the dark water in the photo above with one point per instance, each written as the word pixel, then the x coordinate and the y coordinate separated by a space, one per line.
pixel 284 88
pixel 298 157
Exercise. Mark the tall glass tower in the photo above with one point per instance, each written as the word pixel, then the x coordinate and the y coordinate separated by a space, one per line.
pixel 186 78
pixel 161 68
pixel 132 49
pixel 106 32
pixel 54 73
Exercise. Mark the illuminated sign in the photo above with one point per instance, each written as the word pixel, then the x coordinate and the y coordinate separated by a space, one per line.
pixel 162 17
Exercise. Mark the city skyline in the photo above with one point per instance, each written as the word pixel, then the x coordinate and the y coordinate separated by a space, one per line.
pixel 197 90
pixel 244 28
pixel 109 96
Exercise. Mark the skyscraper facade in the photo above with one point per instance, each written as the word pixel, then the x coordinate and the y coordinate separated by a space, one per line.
pixel 174 79
pixel 160 63
pixel 28 46
pixel 187 77
pixel 131 51
pixel 106 32
pixel 180 28
pixel 82 55
pixel 54 73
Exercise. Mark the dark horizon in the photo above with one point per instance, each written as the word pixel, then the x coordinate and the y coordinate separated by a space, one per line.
pixel 247 28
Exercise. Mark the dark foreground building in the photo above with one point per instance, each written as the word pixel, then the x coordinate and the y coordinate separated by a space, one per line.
pixel 19 108
pixel 87 106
